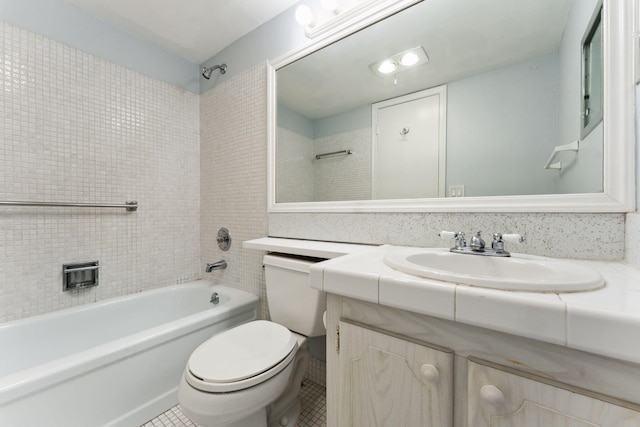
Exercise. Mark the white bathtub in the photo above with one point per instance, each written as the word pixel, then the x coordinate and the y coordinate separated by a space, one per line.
pixel 111 363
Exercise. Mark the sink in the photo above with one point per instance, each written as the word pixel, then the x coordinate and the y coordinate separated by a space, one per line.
pixel 518 272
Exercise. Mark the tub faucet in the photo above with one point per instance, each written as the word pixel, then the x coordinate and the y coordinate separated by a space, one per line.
pixel 220 265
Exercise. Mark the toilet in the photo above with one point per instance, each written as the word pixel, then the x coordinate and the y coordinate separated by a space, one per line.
pixel 250 375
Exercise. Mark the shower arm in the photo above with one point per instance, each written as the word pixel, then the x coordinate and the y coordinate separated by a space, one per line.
pixel 206 72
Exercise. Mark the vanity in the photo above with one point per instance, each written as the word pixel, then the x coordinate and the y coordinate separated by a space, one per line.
pixel 407 350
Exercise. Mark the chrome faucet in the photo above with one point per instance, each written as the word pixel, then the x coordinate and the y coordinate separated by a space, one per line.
pixel 220 265
pixel 477 244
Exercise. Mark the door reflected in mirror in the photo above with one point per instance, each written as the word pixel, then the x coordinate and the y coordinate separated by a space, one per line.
pixel 511 74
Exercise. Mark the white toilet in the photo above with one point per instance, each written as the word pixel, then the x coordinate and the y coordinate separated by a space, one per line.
pixel 250 375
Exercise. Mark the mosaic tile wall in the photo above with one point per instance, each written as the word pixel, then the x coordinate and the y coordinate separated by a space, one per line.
pixel 76 128
pixel 303 178
pixel 233 117
pixel 344 177
pixel 295 168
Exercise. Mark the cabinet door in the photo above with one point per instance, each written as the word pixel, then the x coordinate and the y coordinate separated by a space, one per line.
pixel 387 381
pixel 500 399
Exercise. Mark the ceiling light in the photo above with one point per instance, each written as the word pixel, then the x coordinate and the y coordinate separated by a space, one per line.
pixel 400 62
pixel 409 59
pixel 387 67
pixel 304 16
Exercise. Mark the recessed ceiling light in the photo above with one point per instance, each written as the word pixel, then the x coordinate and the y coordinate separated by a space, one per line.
pixel 400 62
pixel 409 59
pixel 387 67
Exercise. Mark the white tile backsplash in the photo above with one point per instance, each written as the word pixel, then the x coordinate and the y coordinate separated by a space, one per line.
pixel 76 128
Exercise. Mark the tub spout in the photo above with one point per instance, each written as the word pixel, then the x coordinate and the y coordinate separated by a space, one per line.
pixel 220 265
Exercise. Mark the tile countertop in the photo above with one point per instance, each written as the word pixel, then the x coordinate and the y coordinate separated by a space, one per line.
pixel 605 321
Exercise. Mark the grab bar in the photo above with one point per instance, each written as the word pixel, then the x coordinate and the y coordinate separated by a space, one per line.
pixel 129 206
pixel 573 146
pixel 333 153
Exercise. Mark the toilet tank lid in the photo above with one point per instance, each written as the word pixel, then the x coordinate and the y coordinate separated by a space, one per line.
pixel 290 262
pixel 242 352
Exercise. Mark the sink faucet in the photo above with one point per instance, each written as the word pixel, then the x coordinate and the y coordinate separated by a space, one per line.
pixel 220 265
pixel 477 244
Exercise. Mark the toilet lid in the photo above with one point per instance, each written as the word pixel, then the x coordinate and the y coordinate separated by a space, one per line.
pixel 242 352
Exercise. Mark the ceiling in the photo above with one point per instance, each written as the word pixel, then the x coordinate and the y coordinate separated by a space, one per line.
pixel 193 29
pixel 462 38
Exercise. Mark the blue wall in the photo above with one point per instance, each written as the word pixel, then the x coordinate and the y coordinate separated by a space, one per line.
pixel 67 24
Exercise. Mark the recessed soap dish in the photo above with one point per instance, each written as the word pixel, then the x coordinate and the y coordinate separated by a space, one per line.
pixel 80 275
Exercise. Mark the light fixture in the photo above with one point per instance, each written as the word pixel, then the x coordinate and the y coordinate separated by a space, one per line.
pixel 387 67
pixel 410 58
pixel 304 16
pixel 400 62
pixel 331 14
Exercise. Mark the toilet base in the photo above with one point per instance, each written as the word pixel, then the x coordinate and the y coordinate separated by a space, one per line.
pixel 287 406
pixel 288 418
pixel 258 419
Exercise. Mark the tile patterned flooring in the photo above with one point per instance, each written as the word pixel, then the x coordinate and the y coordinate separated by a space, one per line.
pixel 314 410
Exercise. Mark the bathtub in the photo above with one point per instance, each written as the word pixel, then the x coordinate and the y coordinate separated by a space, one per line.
pixel 111 363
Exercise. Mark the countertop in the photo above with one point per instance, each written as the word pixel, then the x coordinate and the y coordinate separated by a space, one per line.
pixel 311 248
pixel 604 321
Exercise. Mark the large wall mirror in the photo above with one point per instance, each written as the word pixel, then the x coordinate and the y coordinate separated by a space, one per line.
pixel 459 105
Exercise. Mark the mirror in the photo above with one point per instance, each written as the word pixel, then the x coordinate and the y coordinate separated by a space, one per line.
pixel 508 77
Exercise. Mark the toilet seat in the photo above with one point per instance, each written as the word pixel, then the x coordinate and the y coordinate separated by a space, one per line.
pixel 253 353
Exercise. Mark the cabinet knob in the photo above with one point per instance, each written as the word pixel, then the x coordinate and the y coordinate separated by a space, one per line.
pixel 491 394
pixel 430 373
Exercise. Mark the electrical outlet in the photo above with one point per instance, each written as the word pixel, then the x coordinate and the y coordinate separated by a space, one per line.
pixel 456 190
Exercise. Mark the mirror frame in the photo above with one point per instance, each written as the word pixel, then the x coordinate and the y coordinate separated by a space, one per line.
pixel 619 130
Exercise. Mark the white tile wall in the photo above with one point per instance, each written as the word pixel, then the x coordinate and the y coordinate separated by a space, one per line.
pixel 294 167
pixel 76 128
pixel 343 177
pixel 233 117
pixel 303 178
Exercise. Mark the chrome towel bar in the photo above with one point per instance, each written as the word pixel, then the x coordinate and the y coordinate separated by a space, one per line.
pixel 334 153
pixel 129 206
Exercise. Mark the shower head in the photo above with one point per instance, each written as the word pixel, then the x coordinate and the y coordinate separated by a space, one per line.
pixel 206 72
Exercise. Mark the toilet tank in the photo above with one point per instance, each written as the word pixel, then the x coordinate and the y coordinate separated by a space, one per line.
pixel 292 301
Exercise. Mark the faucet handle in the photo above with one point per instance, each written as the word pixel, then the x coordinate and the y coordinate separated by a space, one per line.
pixel 447 235
pixel 460 242
pixel 513 238
pixel 500 239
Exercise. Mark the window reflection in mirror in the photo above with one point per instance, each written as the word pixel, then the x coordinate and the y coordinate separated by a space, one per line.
pixel 592 76
pixel 503 64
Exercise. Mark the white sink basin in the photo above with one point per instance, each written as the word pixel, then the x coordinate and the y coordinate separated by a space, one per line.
pixel 516 273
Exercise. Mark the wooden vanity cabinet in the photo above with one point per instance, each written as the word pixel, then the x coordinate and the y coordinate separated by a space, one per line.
pixel 497 398
pixel 390 367
pixel 389 381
